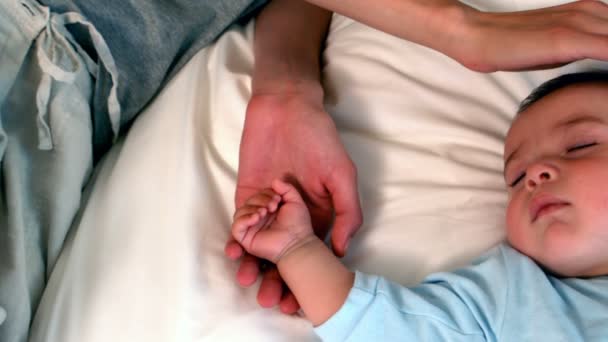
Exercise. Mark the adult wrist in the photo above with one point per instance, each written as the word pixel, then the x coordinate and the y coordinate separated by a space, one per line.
pixel 466 40
pixel 284 97
pixel 451 29
pixel 287 86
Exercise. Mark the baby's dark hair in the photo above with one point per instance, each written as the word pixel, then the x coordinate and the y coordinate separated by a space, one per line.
pixel 562 82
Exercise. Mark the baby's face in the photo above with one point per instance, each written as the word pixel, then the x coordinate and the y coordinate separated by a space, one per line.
pixel 556 170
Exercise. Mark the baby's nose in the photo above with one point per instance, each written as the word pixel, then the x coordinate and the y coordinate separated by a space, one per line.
pixel 538 174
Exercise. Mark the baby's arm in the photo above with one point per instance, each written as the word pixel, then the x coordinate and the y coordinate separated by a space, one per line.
pixel 275 225
pixel 317 278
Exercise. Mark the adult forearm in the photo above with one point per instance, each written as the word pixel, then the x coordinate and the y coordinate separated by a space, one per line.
pixel 317 278
pixel 288 43
pixel 438 24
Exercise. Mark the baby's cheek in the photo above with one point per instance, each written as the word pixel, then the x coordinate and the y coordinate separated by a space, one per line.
pixel 596 199
pixel 592 205
pixel 604 199
pixel 512 222
pixel 590 187
pixel 601 209
pixel 513 211
pixel 515 222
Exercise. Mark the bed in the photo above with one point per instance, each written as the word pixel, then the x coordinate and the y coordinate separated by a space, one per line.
pixel 145 259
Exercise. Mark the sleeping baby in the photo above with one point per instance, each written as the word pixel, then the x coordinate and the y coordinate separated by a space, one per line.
pixel 548 283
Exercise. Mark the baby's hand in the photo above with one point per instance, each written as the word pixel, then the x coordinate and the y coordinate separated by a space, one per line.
pixel 273 222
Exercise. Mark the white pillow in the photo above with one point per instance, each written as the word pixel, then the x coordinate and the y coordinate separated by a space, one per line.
pixel 146 261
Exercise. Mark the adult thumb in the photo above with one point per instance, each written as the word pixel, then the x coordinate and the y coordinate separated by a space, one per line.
pixel 347 207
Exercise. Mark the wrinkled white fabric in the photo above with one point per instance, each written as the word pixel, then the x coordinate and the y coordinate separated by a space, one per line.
pixel 147 262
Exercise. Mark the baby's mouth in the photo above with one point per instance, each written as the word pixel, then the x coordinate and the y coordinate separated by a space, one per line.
pixel 545 205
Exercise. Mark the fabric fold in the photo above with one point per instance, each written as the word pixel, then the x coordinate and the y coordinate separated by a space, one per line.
pixel 58 55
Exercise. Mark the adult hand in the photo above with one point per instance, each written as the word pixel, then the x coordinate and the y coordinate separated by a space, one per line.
pixel 534 39
pixel 486 41
pixel 289 135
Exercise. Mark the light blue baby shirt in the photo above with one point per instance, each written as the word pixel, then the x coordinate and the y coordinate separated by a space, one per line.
pixel 504 296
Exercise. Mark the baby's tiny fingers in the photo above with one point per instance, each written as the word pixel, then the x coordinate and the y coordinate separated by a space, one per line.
pixel 241 225
pixel 287 191
pixel 262 198
pixel 260 223
pixel 269 220
pixel 273 205
pixel 245 210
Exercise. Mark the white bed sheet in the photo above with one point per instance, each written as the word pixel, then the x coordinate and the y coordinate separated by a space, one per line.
pixel 146 262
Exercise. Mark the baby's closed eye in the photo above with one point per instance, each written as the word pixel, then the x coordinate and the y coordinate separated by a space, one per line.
pixel 580 146
pixel 518 179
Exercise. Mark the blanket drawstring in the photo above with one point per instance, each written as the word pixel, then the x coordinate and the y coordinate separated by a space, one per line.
pixel 53 49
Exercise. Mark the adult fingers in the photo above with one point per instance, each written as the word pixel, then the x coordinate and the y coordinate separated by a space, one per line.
pixel 289 304
pixel 571 27
pixel 248 270
pixel 233 249
pixel 271 288
pixel 345 198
